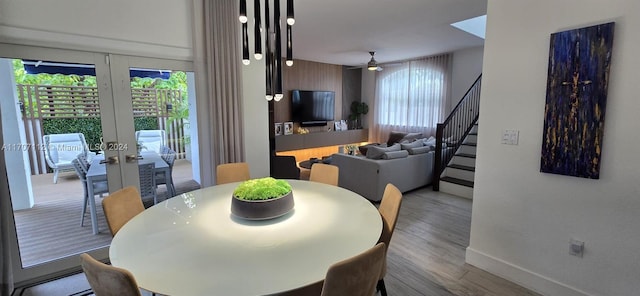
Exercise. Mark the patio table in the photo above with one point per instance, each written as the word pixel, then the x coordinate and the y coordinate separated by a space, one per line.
pixel 98 172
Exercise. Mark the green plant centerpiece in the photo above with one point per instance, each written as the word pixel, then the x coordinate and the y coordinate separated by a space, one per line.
pixel 260 199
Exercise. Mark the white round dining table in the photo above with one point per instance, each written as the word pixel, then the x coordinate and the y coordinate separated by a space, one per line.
pixel 191 244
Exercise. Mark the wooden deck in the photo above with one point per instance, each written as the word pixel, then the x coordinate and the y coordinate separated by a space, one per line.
pixel 51 229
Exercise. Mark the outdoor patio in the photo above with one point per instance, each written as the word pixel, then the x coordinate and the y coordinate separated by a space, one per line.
pixel 51 229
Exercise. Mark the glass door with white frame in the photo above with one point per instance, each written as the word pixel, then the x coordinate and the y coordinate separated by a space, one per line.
pixel 59 111
pixel 162 105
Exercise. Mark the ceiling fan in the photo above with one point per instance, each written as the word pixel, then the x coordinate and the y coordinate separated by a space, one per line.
pixel 372 65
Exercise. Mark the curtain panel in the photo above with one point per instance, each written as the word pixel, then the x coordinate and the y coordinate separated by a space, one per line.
pixel 219 84
pixel 411 97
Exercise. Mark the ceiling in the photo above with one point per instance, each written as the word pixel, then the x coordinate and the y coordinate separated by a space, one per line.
pixel 344 31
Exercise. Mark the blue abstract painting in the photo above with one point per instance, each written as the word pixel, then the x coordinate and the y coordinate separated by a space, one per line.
pixel 578 76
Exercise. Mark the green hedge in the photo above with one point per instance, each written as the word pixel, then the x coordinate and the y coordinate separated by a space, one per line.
pixel 90 127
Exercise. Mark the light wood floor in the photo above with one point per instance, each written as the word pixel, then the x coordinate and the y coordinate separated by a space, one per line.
pixel 427 252
pixel 426 255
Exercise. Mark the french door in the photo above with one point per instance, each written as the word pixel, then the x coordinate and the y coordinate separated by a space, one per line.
pixel 97 105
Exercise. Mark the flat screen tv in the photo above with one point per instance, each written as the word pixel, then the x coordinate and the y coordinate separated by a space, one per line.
pixel 311 107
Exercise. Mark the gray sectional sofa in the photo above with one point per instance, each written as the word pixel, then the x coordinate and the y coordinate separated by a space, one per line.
pixel 368 177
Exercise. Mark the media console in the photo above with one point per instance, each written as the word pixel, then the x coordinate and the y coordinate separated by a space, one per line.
pixel 320 139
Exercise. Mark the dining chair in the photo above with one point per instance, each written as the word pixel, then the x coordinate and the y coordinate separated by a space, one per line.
pixel 284 167
pixel 232 172
pixel 148 181
pixel 355 276
pixel 169 156
pixel 99 187
pixel 119 207
pixel 107 280
pixel 389 211
pixel 324 173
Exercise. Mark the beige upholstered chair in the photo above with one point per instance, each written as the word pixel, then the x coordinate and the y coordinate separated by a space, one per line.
pixel 355 276
pixel 107 280
pixel 324 173
pixel 232 172
pixel 120 206
pixel 389 210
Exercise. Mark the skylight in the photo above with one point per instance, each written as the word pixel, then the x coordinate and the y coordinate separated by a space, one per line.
pixel 475 26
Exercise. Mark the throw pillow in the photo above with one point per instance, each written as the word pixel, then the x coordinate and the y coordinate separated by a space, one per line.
pixel 395 154
pixel 419 150
pixel 376 152
pixel 431 141
pixel 395 137
pixel 363 149
pixel 414 144
pixel 410 137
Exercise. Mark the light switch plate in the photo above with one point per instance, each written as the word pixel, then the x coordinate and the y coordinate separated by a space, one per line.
pixel 510 137
pixel 576 247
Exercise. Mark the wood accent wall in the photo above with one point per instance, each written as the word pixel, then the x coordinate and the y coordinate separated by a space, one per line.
pixel 307 75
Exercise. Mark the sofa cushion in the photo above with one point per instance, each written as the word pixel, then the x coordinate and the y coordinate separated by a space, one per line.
pixel 410 137
pixel 395 137
pixel 395 154
pixel 363 149
pixel 419 150
pixel 414 144
pixel 376 152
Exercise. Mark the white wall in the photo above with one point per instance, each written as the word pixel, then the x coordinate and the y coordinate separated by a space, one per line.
pixel 467 66
pixel 153 28
pixel 522 219
pixel 256 118
pixel 368 95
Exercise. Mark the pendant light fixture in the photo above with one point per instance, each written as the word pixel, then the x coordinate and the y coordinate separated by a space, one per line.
pixel 273 39
pixel 257 30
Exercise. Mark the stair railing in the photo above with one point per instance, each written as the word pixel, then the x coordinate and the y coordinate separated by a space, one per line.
pixel 451 133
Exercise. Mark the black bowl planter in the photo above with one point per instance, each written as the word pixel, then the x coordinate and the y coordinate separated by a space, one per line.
pixel 262 209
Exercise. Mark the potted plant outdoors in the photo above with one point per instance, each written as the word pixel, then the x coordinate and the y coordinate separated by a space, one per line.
pixel 357 110
pixel 260 199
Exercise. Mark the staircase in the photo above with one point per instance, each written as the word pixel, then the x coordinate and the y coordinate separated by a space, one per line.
pixel 458 176
pixel 456 139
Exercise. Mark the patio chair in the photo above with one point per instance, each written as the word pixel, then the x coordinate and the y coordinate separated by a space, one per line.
pixel 169 156
pixel 148 181
pixel 99 188
pixel 61 149
pixel 151 140
pixel 84 161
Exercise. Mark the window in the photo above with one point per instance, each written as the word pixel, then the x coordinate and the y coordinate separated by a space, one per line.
pixel 411 97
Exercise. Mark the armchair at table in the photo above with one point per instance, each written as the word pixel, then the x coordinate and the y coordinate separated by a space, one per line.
pixel 151 140
pixel 284 167
pixel 61 149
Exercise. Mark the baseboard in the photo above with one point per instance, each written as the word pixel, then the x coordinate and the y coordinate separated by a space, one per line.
pixel 520 276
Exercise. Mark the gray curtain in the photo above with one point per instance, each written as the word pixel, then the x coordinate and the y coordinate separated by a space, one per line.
pixel 217 64
pixel 6 222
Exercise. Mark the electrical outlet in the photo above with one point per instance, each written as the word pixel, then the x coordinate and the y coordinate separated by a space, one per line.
pixel 576 247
